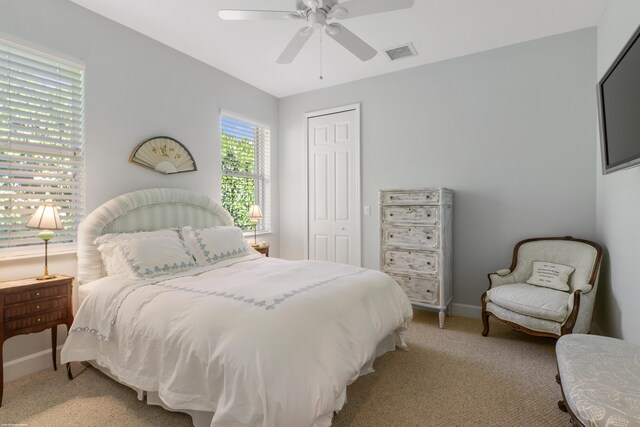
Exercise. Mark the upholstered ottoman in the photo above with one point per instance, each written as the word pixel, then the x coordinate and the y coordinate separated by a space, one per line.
pixel 600 380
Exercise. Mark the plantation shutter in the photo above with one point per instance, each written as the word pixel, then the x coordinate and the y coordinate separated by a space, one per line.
pixel 41 146
pixel 250 144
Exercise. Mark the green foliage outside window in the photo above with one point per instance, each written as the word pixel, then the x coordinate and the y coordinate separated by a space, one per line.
pixel 238 178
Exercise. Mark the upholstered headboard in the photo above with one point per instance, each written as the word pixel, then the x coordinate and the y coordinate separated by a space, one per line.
pixel 143 210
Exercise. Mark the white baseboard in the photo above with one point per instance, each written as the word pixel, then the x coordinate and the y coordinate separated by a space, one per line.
pixel 462 310
pixel 29 364
pixel 466 310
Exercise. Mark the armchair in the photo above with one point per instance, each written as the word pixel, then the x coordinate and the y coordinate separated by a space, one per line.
pixel 540 310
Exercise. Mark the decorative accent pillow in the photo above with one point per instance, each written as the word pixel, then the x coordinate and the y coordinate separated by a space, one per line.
pixel 215 244
pixel 550 275
pixel 145 254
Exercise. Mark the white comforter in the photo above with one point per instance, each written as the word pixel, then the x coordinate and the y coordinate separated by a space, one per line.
pixel 260 341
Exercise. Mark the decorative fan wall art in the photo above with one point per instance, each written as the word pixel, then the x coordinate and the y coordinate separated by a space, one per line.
pixel 163 155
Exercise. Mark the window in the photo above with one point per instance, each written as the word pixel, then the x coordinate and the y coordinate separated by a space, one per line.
pixel 245 170
pixel 41 146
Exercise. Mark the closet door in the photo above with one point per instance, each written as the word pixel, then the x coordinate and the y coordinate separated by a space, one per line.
pixel 333 187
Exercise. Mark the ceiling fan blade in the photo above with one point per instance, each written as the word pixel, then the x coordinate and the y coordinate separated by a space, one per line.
pixel 369 7
pixel 295 45
pixel 235 15
pixel 351 42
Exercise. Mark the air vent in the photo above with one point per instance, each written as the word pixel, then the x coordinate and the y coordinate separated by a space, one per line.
pixel 399 52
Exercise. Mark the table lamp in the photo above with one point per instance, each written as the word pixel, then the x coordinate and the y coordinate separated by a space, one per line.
pixel 255 213
pixel 46 218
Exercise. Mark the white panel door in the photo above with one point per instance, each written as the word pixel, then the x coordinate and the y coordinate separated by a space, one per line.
pixel 333 187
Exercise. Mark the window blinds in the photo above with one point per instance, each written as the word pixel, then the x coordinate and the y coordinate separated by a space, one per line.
pixel 247 145
pixel 41 145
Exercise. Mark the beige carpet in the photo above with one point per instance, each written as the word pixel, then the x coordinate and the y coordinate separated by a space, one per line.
pixel 450 377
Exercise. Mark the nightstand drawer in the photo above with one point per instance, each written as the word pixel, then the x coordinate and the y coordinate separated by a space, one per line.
pixel 27 309
pixel 46 320
pixel 36 294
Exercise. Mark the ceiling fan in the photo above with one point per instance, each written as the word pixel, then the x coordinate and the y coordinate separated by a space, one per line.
pixel 318 13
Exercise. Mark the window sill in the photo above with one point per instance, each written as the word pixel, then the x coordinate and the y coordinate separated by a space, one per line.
pixel 247 234
pixel 34 255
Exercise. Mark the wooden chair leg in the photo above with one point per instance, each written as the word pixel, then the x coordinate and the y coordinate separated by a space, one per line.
pixel 562 406
pixel 485 322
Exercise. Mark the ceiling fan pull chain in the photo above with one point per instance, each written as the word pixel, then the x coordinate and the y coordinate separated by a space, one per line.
pixel 321 63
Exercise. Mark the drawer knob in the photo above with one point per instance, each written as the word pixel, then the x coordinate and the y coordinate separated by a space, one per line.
pixel 390 235
pixel 39 320
pixel 390 214
pixel 428 237
pixel 37 307
pixel 428 215
pixel 37 294
pixel 428 263
pixel 391 259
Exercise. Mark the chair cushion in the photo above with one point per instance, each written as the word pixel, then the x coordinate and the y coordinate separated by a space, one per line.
pixel 600 379
pixel 535 301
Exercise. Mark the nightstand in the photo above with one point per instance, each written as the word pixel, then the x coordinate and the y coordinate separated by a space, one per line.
pixel 263 249
pixel 30 305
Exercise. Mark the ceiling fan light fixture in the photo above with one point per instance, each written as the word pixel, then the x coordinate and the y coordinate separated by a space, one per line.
pixel 317 20
pixel 332 30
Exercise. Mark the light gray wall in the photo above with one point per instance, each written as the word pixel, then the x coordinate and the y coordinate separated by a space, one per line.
pixel 136 88
pixel 618 201
pixel 511 131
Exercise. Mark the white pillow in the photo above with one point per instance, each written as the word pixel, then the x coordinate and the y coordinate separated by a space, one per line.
pixel 145 254
pixel 215 244
pixel 550 275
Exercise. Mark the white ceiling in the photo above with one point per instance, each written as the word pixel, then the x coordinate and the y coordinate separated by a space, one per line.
pixel 439 30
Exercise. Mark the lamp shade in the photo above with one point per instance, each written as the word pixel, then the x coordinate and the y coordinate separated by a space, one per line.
pixel 255 213
pixel 46 218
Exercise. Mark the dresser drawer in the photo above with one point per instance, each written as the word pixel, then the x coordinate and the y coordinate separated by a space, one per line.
pixel 35 294
pixel 410 197
pixel 419 214
pixel 419 289
pixel 46 320
pixel 410 236
pixel 28 309
pixel 411 261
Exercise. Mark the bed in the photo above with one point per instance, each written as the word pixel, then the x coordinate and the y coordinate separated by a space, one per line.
pixel 240 341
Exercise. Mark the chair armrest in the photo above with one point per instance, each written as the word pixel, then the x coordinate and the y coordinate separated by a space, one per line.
pixel 501 277
pixel 585 288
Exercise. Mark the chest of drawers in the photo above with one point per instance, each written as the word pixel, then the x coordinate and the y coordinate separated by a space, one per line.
pixel 31 305
pixel 416 244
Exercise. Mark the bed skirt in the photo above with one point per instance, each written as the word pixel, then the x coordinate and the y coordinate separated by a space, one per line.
pixel 203 419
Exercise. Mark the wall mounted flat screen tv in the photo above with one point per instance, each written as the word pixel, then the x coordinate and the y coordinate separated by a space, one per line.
pixel 619 109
